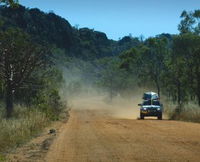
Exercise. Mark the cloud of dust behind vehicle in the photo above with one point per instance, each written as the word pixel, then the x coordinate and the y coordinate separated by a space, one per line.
pixel 83 95
pixel 119 107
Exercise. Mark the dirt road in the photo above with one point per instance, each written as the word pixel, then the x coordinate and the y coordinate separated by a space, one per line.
pixel 97 134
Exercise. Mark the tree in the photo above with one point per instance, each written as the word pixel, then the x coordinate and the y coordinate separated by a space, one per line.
pixel 147 61
pixel 154 64
pixel 190 22
pixel 19 59
pixel 181 77
pixel 186 50
pixel 12 3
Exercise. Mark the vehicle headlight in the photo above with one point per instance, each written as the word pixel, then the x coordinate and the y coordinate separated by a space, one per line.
pixel 144 108
pixel 158 109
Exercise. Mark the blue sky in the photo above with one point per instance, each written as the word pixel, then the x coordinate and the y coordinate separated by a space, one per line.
pixel 118 18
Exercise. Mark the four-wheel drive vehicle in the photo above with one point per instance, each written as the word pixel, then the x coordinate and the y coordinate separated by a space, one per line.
pixel 151 106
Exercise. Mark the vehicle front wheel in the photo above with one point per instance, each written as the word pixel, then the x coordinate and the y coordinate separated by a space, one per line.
pixel 141 116
pixel 160 117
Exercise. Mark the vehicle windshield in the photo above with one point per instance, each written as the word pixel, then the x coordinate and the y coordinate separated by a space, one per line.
pixel 156 103
pixel 148 96
pixel 149 102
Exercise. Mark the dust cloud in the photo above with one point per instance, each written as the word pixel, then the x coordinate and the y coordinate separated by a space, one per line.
pixel 81 95
pixel 123 108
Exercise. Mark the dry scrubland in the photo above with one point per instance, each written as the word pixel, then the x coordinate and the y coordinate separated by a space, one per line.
pixel 190 112
pixel 25 124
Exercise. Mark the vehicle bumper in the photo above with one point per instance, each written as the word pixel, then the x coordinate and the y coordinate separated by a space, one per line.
pixel 150 113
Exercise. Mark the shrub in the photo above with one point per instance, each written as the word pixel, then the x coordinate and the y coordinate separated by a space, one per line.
pixel 50 103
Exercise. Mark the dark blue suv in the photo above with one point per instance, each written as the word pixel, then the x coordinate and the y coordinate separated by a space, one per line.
pixel 151 106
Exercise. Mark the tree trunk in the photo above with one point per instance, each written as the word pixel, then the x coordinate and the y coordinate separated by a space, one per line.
pixel 157 86
pixel 158 89
pixel 198 99
pixel 111 90
pixel 198 84
pixel 9 101
pixel 179 95
pixel 198 90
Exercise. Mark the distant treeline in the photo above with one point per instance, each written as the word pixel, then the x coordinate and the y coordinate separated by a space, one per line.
pixel 82 43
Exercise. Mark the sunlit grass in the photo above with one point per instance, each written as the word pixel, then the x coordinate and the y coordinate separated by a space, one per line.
pixel 17 130
pixel 189 112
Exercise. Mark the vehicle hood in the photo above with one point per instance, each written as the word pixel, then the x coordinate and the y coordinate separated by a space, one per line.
pixel 150 106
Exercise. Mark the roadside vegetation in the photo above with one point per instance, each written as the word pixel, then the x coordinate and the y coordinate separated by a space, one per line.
pixel 190 112
pixel 30 81
pixel 22 127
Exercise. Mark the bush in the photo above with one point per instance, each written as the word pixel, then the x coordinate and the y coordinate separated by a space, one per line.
pixel 49 102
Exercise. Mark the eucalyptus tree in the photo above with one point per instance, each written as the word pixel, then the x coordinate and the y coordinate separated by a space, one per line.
pixel 186 54
pixel 146 62
pixel 12 3
pixel 19 59
pixel 190 22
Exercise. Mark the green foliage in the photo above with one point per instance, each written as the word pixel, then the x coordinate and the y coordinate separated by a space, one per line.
pixel 127 42
pixel 146 61
pixel 12 3
pixel 172 66
pixel 190 22
pixel 186 52
pixel 43 27
pixel 18 63
pixel 49 103
pixel 81 43
pixel 47 97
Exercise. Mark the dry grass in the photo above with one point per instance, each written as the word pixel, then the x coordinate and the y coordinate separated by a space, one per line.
pixel 190 115
pixel 25 124
pixel 190 112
